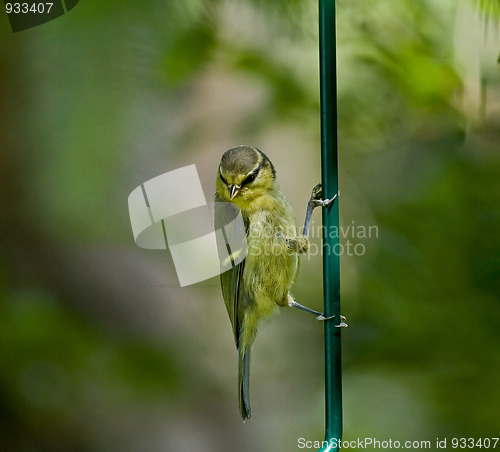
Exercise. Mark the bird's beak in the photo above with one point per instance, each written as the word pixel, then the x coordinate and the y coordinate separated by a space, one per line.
pixel 233 191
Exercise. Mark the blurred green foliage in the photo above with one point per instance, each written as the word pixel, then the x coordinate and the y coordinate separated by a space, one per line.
pixel 100 348
pixel 490 7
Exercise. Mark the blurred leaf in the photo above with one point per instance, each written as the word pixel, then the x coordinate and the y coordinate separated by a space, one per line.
pixel 189 51
pixel 490 8
pixel 51 356
pixel 288 93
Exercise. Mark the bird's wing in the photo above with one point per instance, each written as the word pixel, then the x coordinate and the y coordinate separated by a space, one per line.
pixel 232 285
pixel 232 292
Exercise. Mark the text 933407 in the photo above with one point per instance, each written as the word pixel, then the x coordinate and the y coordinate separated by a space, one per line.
pixel 27 8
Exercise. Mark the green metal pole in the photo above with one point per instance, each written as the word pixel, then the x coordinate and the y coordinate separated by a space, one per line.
pixel 331 258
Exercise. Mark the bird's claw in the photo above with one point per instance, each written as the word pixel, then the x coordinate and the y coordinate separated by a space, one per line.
pixel 316 200
pixel 322 202
pixel 342 324
pixel 316 192
pixel 322 318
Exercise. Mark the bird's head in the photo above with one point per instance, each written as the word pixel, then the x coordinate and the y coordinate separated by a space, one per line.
pixel 245 174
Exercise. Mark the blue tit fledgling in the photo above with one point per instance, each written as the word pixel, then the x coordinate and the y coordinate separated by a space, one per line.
pixel 255 288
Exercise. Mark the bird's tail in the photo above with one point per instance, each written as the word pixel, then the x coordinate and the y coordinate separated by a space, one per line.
pixel 243 382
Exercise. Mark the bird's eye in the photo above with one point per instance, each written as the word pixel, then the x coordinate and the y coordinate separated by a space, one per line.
pixel 249 179
pixel 222 179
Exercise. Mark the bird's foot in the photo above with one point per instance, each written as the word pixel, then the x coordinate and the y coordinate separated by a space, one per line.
pixel 319 316
pixel 342 324
pixel 316 200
